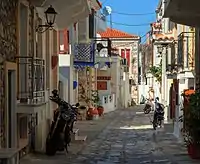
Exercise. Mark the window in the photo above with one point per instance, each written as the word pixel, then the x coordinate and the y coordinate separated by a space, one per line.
pixel 48 55
pixel 38 40
pixel 31 64
pixel 101 85
pixel 126 53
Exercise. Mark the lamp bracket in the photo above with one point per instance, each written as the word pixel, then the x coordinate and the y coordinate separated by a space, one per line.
pixel 100 46
pixel 43 28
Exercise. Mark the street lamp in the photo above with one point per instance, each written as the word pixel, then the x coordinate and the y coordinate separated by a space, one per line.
pixel 50 15
pixel 100 46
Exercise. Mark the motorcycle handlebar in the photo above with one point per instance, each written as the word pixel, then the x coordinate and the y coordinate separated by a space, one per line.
pixel 59 101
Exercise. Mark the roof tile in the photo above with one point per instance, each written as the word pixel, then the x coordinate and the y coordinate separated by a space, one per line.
pixel 114 33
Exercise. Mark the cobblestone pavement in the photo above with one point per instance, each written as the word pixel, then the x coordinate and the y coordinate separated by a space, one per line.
pixel 129 139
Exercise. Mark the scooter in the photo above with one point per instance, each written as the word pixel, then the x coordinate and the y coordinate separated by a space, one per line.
pixel 148 107
pixel 59 135
pixel 158 119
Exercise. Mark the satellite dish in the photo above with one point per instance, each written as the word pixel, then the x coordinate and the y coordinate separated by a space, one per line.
pixel 107 10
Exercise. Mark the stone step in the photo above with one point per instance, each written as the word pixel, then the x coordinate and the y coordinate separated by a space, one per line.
pixel 80 138
pixel 74 134
pixel 75 131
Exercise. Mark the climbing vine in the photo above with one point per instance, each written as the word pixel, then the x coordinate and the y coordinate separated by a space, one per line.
pixel 156 71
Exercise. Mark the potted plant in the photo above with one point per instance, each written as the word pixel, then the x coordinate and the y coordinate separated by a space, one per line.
pixel 100 110
pixel 96 100
pixel 191 119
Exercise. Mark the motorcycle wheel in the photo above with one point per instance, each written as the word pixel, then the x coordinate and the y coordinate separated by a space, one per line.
pixel 160 123
pixel 154 125
pixel 50 147
pixel 61 143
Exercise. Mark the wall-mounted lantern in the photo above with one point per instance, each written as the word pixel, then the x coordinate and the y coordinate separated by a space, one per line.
pixel 50 15
pixel 100 46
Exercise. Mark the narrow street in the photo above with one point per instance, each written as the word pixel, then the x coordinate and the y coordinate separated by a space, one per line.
pixel 128 139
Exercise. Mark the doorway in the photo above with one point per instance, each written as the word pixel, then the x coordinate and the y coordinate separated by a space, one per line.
pixel 11 104
pixel 11 107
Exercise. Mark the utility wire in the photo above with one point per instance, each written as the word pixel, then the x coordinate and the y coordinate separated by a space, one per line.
pixel 133 14
pixel 124 24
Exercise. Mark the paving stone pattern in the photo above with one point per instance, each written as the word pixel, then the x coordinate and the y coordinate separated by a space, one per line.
pixel 129 139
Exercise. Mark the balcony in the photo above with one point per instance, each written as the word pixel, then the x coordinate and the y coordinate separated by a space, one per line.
pixel 70 11
pixel 101 23
pixel 186 50
pixel 31 82
pixel 180 12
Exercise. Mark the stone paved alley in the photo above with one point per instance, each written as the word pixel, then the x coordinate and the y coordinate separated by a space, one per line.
pixel 127 139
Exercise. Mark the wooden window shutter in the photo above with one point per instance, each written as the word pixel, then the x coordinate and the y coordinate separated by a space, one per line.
pixel 128 53
pixel 122 53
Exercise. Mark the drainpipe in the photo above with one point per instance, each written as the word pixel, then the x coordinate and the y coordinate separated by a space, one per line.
pixel 197 61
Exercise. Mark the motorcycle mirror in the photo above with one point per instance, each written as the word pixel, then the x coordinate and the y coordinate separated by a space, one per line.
pixel 77 104
pixel 55 92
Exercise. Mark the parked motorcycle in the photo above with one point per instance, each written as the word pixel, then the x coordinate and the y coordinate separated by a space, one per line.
pixel 64 117
pixel 148 106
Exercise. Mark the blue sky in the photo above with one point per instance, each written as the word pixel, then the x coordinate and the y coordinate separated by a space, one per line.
pixel 132 7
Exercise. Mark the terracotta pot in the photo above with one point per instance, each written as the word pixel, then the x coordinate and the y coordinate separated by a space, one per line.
pixel 95 111
pixel 90 112
pixel 100 110
pixel 194 150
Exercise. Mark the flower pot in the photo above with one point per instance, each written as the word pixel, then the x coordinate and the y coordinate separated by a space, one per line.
pixel 100 110
pixel 90 113
pixel 194 150
pixel 95 114
pixel 82 112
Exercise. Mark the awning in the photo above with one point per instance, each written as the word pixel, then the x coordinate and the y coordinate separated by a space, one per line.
pixel 183 12
pixel 69 11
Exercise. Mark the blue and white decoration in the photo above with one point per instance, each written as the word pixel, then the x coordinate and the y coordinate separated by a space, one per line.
pixel 84 55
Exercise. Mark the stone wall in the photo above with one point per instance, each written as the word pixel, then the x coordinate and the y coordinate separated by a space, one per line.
pixel 8 51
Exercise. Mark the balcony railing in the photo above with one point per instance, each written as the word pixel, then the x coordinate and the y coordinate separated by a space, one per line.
pixel 31 80
pixel 186 50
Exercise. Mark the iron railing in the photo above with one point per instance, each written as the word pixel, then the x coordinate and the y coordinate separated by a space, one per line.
pixel 31 84
pixel 186 50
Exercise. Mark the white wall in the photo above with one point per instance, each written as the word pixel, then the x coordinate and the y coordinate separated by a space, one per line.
pixel 177 124
pixel 126 96
pixel 143 91
pixel 109 104
pixel 115 78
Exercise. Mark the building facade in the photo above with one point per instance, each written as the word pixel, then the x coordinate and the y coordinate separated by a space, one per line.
pixel 29 70
pixel 173 49
pixel 127 46
pixel 187 50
